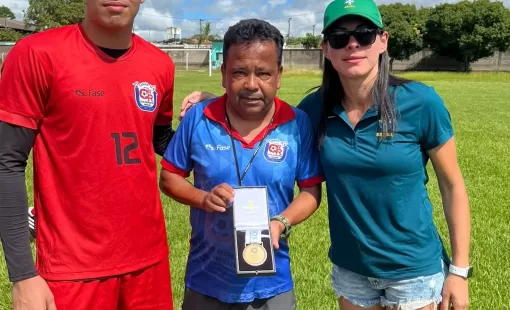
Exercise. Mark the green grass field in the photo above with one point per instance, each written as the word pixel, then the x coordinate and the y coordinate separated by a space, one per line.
pixel 478 103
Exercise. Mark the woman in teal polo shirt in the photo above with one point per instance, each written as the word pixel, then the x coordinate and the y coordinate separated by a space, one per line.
pixel 376 134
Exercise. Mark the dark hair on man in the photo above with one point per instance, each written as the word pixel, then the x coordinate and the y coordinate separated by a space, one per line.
pixel 252 30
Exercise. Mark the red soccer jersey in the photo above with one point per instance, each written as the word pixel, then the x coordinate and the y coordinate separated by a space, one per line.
pixel 95 175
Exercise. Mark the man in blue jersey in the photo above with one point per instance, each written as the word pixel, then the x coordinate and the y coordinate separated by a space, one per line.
pixel 246 137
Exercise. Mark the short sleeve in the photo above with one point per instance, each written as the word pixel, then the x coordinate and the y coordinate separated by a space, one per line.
pixel 177 157
pixel 435 122
pixel 24 87
pixel 308 169
pixel 165 111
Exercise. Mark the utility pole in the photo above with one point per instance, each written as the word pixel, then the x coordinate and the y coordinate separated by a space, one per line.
pixel 288 31
pixel 201 26
pixel 313 32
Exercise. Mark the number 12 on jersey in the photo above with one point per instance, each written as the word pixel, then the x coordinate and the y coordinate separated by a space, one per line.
pixel 122 155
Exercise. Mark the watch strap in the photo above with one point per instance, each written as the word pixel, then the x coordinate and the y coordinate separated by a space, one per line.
pixel 461 272
pixel 285 223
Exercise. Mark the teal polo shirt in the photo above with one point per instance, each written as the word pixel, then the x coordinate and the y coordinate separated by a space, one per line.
pixel 380 215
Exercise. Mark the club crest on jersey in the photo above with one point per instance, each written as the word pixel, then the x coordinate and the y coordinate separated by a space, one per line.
pixel 146 96
pixel 276 151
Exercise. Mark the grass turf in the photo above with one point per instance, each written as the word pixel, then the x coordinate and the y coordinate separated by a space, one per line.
pixel 478 105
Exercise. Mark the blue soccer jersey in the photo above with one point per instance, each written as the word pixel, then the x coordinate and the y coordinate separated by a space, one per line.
pixel 202 144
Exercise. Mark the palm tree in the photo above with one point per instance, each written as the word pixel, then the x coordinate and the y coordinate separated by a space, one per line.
pixel 205 33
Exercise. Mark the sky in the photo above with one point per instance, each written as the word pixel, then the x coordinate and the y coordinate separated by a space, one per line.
pixel 155 16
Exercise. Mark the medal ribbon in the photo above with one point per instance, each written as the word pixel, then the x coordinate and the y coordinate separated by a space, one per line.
pixel 239 176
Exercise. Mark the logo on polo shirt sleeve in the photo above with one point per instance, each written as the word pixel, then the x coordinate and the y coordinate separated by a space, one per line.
pixel 276 150
pixel 146 96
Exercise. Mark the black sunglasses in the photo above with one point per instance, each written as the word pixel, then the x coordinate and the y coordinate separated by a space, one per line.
pixel 364 36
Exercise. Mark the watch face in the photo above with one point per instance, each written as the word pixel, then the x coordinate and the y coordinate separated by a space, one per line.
pixel 470 272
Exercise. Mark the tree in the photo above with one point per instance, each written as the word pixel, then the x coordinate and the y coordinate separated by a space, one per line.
pixel 311 41
pixel 43 14
pixel 9 35
pixel 423 17
pixel 405 25
pixel 204 33
pixel 294 41
pixel 468 31
pixel 5 12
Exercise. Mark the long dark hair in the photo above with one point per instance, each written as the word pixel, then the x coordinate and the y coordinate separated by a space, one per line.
pixel 332 93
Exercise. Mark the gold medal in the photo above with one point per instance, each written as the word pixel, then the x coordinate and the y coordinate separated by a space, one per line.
pixel 254 254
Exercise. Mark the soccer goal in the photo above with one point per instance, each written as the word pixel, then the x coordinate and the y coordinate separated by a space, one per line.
pixel 191 59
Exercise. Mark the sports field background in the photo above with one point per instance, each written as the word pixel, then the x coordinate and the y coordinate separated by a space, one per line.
pixel 480 107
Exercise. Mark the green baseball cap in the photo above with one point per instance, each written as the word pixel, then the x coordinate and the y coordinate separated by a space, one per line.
pixel 340 8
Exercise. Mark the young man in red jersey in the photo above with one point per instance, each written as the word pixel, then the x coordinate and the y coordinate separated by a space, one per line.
pixel 95 103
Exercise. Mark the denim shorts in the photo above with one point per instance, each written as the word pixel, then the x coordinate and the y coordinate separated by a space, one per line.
pixel 408 294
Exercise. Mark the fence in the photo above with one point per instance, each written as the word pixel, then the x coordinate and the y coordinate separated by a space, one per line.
pixel 425 60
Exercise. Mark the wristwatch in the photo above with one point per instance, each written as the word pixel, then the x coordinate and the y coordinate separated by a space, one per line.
pixel 285 222
pixel 465 273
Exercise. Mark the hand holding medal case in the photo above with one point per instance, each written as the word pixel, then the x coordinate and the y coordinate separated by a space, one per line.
pixel 253 244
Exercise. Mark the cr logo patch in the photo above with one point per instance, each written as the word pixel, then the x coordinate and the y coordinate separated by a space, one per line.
pixel 276 150
pixel 146 96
